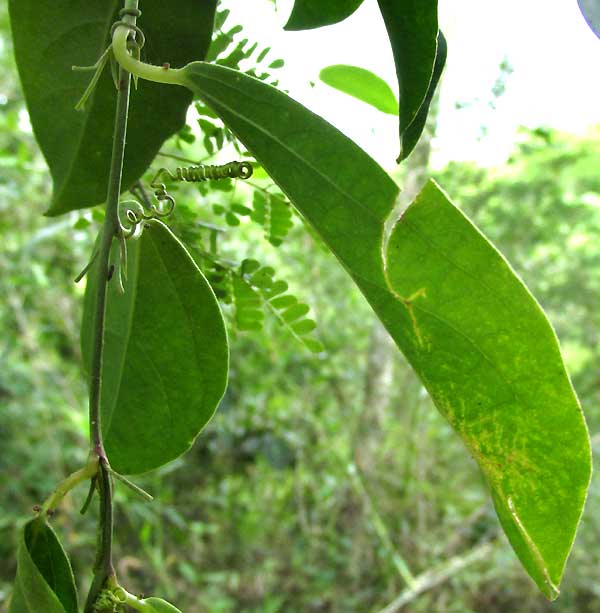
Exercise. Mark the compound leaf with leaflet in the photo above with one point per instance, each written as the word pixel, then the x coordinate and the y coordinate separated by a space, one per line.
pixel 273 213
pixel 258 288
pixel 361 84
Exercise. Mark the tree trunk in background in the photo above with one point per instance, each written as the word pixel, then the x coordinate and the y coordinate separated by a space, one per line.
pixel 379 376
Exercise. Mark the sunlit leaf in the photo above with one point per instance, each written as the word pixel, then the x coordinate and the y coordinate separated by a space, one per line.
pixel 44 579
pixel 362 84
pixel 78 145
pixel 473 333
pixel 308 14
pixel 490 359
pixel 166 354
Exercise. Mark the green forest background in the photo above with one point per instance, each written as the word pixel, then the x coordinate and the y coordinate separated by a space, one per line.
pixel 325 482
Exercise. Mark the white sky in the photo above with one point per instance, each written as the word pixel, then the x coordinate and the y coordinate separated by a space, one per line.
pixel 555 57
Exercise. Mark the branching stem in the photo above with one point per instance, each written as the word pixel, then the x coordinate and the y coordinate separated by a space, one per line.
pixel 87 472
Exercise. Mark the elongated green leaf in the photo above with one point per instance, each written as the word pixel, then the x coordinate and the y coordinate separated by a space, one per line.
pixel 166 354
pixel 308 14
pixel 475 336
pixel 44 579
pixel 488 355
pixel 411 135
pixel 591 11
pixel 412 27
pixel 362 84
pixel 50 37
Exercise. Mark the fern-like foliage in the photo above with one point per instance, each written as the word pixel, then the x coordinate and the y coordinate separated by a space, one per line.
pixel 224 50
pixel 249 289
pixel 287 309
pixel 274 214
pixel 249 314
pixel 269 210
pixel 221 51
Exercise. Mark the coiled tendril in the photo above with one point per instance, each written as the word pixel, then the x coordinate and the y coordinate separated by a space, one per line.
pixel 132 214
pixel 196 174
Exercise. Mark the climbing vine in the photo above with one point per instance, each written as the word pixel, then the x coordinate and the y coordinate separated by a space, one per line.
pixel 154 340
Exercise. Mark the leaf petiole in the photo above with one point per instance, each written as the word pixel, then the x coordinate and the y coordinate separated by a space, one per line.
pixel 90 470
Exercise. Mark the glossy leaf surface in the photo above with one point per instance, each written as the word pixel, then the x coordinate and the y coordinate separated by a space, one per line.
pixel 362 84
pixel 44 579
pixel 591 11
pixel 476 337
pixel 166 354
pixel 77 145
pixel 308 14
pixel 412 27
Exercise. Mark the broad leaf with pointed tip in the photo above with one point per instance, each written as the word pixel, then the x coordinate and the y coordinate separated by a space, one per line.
pixel 78 145
pixel 412 27
pixel 308 14
pixel 471 330
pixel 166 353
pixel 361 84
pixel 44 579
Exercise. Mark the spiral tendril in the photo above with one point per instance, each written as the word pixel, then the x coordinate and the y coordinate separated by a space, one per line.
pixel 132 214
pixel 191 174
pixel 197 174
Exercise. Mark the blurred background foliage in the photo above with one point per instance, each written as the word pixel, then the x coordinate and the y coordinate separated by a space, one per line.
pixel 327 481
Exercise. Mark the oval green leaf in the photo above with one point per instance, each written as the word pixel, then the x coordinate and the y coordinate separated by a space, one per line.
pixel 44 580
pixel 486 352
pixel 412 27
pixel 481 344
pixel 166 353
pixel 78 145
pixel 362 84
pixel 308 14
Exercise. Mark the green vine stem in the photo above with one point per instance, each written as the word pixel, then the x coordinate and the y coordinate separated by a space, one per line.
pixel 103 568
pixel 66 485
